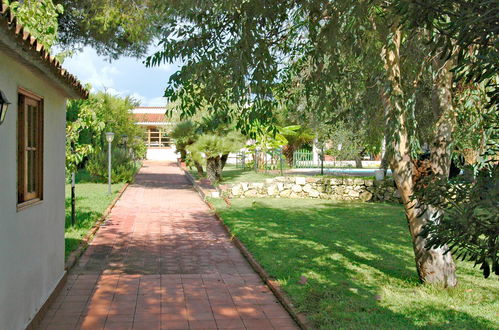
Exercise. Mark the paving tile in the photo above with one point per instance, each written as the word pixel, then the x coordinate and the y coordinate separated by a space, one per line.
pixel 283 323
pixel 174 325
pixel 162 261
pixel 258 324
pixel 202 324
pixel 92 322
pixel 118 326
pixel 230 324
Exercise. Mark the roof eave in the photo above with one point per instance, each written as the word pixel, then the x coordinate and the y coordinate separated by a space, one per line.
pixel 32 53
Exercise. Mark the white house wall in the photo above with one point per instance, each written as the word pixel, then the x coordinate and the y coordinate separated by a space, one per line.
pixel 31 240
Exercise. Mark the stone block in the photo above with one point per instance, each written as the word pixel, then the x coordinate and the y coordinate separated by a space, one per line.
pixel 353 193
pixel 296 188
pixel 307 188
pixel 348 181
pixel 314 193
pixel 250 193
pixel 336 181
pixel 236 190
pixel 368 183
pixel 300 180
pixel 358 181
pixel 365 196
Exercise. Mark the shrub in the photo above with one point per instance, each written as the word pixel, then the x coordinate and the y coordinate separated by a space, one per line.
pixel 123 169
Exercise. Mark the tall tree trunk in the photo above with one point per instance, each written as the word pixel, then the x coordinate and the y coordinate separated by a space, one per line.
pixel 183 154
pixel 220 167
pixel 199 168
pixel 212 168
pixel 223 160
pixel 433 265
pixel 358 161
pixel 288 151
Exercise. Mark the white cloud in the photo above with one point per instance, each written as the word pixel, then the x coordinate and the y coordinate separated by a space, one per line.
pixel 89 68
pixel 123 77
pixel 149 102
pixel 155 102
pixel 143 101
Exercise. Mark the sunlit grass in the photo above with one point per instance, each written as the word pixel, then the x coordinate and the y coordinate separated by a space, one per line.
pixel 359 263
pixel 91 202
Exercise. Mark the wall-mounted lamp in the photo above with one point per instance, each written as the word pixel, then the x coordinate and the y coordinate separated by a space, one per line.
pixel 4 105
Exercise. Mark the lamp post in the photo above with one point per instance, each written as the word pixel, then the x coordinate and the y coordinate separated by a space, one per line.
pixel 109 138
pixel 4 105
pixel 322 158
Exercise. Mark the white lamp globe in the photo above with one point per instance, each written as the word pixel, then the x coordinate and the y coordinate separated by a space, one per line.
pixel 109 137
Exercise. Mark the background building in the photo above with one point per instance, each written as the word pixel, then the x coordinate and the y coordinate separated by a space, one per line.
pixel 159 145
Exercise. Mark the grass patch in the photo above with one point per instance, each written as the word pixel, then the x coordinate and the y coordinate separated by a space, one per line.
pixel 91 202
pixel 359 263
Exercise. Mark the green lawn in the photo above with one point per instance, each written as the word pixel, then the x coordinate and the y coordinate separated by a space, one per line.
pixel 359 263
pixel 91 202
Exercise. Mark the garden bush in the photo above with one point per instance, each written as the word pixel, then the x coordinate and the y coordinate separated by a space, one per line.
pixel 124 167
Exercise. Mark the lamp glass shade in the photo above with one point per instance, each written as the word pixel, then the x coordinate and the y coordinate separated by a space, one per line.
pixel 109 137
pixel 4 105
pixel 125 138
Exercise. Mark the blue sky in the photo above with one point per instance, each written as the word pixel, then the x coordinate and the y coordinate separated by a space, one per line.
pixel 125 76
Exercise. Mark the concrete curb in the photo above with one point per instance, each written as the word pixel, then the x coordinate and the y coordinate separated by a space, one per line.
pixel 76 254
pixel 283 298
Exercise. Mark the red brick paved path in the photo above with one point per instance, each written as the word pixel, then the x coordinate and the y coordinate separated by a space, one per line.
pixel 162 261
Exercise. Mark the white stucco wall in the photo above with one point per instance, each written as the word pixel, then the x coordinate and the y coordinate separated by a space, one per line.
pixel 162 154
pixel 31 240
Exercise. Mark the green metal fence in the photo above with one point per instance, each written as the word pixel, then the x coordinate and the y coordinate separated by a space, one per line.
pixel 270 160
pixel 303 159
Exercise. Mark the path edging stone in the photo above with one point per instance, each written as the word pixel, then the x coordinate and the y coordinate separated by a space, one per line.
pixel 283 297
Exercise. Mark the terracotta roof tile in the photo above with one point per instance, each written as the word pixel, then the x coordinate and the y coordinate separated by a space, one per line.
pixel 149 118
pixel 29 43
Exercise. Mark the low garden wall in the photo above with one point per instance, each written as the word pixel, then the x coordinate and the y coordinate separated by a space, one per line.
pixel 351 189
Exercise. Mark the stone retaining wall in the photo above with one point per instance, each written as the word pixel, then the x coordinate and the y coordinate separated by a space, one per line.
pixel 353 189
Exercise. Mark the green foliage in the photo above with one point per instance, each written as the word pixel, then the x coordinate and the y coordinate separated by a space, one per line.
pixel 114 111
pixel 113 28
pixel 184 133
pixel 83 129
pixel 465 29
pixel 216 146
pixel 346 144
pixel 297 135
pixel 39 17
pixel 87 122
pixel 470 224
pixel 124 167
